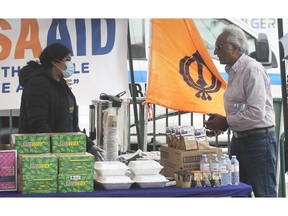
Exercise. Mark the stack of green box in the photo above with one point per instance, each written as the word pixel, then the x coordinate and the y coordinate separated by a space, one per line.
pixel 56 162
pixel 76 166
pixel 76 172
pixel 37 167
pixel 37 173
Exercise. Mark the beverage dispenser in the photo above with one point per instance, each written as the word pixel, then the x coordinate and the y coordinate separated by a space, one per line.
pixel 109 124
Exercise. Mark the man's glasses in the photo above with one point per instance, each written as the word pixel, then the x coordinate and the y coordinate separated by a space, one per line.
pixel 220 46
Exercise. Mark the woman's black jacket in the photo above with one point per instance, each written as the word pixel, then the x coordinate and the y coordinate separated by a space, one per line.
pixel 44 104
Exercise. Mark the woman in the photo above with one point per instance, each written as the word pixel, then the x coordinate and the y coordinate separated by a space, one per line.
pixel 47 103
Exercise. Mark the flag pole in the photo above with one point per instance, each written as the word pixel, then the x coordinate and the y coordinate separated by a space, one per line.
pixel 133 88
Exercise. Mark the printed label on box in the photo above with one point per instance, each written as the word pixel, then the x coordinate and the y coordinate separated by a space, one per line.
pixel 29 184
pixel 71 163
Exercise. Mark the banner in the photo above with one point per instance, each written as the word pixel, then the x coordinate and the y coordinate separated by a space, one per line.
pixel 182 74
pixel 99 52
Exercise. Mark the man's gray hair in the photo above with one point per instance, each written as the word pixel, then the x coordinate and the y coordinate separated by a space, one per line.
pixel 236 37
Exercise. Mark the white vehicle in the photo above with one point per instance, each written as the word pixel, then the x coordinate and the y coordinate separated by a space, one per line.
pixel 209 29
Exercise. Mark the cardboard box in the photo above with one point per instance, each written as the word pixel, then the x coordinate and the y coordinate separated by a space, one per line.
pixel 68 142
pixel 31 143
pixel 174 160
pixel 75 183
pixel 37 164
pixel 30 184
pixel 8 170
pixel 71 163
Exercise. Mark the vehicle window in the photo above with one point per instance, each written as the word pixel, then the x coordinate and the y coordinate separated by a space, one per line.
pixel 137 37
pixel 209 29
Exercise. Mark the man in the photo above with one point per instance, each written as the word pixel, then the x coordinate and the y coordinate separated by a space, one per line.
pixel 249 111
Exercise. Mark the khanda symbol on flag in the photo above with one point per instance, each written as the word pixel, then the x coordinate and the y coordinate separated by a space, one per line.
pixel 177 79
pixel 200 85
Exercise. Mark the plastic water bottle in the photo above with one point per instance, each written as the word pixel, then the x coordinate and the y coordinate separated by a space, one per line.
pixel 235 178
pixel 204 163
pixel 214 163
pixel 224 171
pixel 228 161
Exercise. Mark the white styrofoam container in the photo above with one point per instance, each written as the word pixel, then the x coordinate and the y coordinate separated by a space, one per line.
pixel 110 168
pixel 145 167
pixel 150 181
pixel 114 182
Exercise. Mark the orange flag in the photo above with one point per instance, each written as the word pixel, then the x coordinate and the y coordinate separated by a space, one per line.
pixel 182 74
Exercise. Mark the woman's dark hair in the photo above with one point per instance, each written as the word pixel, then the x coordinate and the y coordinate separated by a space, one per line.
pixel 52 52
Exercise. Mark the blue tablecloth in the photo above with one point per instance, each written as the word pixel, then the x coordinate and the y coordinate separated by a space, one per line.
pixel 241 190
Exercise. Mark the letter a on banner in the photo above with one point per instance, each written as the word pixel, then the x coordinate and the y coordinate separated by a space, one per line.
pixel 182 74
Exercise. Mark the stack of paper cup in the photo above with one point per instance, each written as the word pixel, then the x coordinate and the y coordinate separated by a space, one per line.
pixel 111 139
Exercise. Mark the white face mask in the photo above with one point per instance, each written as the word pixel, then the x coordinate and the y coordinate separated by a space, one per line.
pixel 69 69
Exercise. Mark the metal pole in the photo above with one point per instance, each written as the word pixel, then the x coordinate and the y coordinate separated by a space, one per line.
pixel 133 88
pixel 284 89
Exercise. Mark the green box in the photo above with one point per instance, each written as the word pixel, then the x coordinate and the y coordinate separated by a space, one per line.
pixel 38 164
pixel 31 184
pixel 31 143
pixel 80 163
pixel 68 142
pixel 75 183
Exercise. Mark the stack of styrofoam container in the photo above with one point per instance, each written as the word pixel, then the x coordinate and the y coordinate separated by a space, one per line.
pixel 146 173
pixel 112 175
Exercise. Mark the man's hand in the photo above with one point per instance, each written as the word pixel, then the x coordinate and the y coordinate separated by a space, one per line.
pixel 216 122
pixel 212 133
